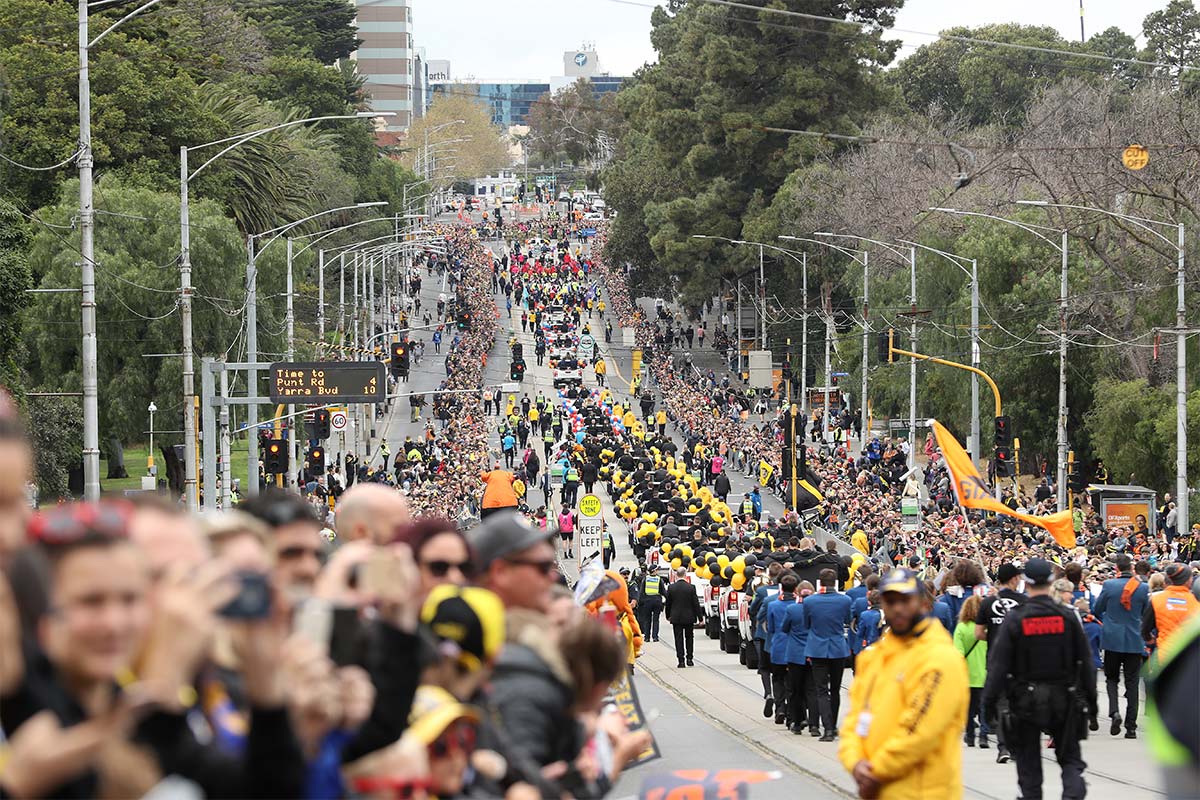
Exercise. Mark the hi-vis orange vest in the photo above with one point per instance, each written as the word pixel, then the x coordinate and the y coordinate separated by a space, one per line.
pixel 1173 606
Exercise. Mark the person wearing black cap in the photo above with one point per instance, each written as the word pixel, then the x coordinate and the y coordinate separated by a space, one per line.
pixel 1040 680
pixel 992 612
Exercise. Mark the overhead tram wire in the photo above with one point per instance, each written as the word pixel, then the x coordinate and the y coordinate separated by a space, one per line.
pixel 863 26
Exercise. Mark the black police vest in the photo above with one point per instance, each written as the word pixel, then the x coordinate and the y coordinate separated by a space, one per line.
pixel 1044 648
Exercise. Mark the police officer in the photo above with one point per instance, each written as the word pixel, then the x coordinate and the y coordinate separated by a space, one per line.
pixel 650 603
pixel 1041 680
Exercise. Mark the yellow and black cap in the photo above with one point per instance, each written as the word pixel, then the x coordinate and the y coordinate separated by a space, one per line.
pixel 466 623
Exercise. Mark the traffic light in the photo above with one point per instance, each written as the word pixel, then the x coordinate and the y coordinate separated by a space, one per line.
pixel 1004 436
pixel 833 379
pixel 516 369
pixel 321 423
pixel 316 463
pixel 883 344
pixel 464 320
pixel 1005 465
pixel 275 457
pixel 810 375
pixel 1005 468
pixel 1075 481
pixel 399 360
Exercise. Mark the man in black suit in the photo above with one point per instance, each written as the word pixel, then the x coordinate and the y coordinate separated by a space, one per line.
pixel 683 612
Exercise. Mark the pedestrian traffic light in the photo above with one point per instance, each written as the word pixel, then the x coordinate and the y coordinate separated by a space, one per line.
pixel 1075 481
pixel 810 375
pixel 1005 468
pixel 320 424
pixel 316 463
pixel 883 343
pixel 833 379
pixel 1004 435
pixel 516 369
pixel 464 320
pixel 275 457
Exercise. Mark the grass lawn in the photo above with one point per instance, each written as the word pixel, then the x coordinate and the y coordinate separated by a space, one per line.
pixel 135 465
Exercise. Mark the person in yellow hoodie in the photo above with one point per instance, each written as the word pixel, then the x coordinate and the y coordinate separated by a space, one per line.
pixel 859 541
pixel 901 739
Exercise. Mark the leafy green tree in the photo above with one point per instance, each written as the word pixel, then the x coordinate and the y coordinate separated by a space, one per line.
pixel 1173 37
pixel 144 104
pixel 15 278
pixel 1132 426
pixel 981 83
pixel 483 152
pixel 697 121
pixel 323 29
pixel 56 428
pixel 136 290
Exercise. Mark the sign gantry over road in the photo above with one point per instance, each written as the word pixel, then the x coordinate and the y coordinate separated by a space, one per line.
pixel 328 382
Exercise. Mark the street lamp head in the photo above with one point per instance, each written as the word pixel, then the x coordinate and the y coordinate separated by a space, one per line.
pixel 152 408
pixel 1033 202
pixel 371 204
pixel 373 114
pixel 945 210
pixel 824 233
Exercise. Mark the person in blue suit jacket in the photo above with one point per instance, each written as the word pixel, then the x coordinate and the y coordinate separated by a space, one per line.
pixel 857 608
pixel 759 621
pixel 828 614
pixel 777 643
pixel 870 622
pixel 795 627
pixel 1122 602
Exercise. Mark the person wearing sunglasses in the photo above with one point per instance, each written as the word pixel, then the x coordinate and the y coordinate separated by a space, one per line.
pixel 441 553
pixel 298 548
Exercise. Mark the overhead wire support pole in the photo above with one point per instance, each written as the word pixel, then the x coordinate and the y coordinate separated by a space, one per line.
pixel 1179 243
pixel 1063 441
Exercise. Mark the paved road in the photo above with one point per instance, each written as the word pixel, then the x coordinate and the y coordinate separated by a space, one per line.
pixel 710 716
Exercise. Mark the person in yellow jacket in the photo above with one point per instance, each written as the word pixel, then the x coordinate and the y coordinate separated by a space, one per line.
pixel 902 736
pixel 601 369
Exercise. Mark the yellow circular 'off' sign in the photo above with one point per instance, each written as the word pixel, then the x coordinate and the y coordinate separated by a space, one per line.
pixel 1135 156
pixel 589 505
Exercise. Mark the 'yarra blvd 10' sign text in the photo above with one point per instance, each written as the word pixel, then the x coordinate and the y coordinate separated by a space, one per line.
pixel 328 382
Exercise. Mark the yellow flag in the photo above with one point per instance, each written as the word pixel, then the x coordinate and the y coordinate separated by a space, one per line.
pixel 973 492
pixel 765 471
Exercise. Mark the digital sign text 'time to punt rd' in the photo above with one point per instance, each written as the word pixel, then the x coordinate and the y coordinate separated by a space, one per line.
pixel 328 382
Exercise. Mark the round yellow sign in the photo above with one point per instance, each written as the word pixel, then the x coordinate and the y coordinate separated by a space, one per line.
pixel 589 505
pixel 1135 156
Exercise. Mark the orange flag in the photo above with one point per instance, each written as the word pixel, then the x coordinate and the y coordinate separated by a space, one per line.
pixel 974 493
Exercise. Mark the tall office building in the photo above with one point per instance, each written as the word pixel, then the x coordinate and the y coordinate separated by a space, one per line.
pixel 385 58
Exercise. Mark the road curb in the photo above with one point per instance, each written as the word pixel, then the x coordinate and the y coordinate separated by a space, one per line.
pixel 749 741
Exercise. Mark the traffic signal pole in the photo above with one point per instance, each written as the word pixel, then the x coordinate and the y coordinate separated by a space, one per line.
pixel 894 351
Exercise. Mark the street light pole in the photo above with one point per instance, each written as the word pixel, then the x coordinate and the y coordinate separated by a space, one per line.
pixel 290 321
pixel 762 298
pixel 862 401
pixel 87 272
pixel 1063 443
pixel 251 373
pixel 1181 486
pixel 912 369
pixel 804 334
